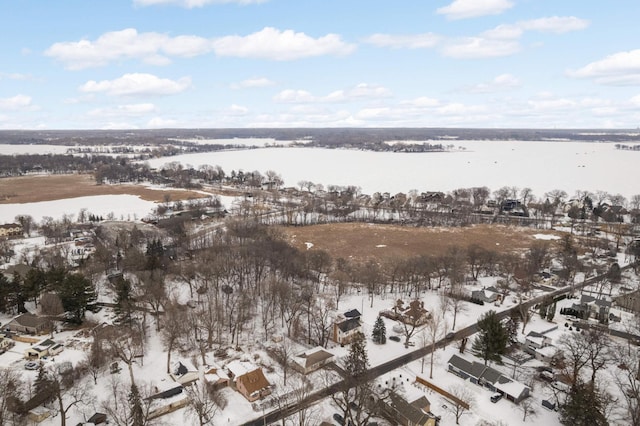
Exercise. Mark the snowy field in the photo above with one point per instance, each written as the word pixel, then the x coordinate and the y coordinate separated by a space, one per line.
pixel 118 207
pixel 541 166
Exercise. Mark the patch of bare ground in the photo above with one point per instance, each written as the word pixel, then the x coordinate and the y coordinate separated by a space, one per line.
pixel 381 243
pixel 30 189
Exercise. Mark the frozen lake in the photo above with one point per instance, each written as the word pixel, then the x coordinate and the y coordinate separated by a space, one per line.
pixel 541 166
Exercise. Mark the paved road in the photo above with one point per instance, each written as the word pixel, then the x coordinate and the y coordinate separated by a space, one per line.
pixel 381 369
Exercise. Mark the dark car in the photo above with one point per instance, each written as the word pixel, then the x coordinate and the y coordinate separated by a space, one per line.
pixel 450 335
pixel 496 397
pixel 338 418
pixel 394 338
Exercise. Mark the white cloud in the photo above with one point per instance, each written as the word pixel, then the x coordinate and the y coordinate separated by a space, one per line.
pixel 149 47
pixel 555 24
pixel 622 68
pixel 161 123
pixel 502 40
pixel 416 41
pixel 500 83
pixel 156 48
pixel 294 96
pixel 189 4
pixel 15 103
pixel 422 102
pixel 253 82
pixel 463 9
pixel 14 76
pixel 480 47
pixel 358 92
pixel 271 43
pixel 547 105
pixel 237 110
pixel 123 110
pixel 137 84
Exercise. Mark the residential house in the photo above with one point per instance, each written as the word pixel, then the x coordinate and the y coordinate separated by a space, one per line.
pixel 249 380
pixel 216 376
pixel 5 344
pixel 184 372
pixel 400 411
pixel 44 348
pixel 489 378
pixel 346 326
pixel 412 314
pixel 487 295
pixel 10 230
pixel 29 324
pixel 539 344
pixel 312 359
pixel 592 307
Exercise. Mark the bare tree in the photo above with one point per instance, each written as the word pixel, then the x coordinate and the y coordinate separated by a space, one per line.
pixel 11 387
pixel 202 402
pixel 119 408
pixel 175 328
pixel 434 331
pixel 528 409
pixel 462 404
pixel 126 344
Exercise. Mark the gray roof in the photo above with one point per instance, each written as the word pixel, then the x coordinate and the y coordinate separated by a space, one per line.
pixel 348 325
pixel 460 363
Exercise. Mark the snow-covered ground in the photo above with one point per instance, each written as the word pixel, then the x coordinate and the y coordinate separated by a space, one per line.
pixel 118 207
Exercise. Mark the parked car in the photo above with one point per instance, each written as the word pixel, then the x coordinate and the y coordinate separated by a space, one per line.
pixel 338 418
pixel 31 365
pixel 394 338
pixel 496 397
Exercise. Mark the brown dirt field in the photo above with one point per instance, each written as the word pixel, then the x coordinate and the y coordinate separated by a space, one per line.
pixel 29 189
pixel 384 242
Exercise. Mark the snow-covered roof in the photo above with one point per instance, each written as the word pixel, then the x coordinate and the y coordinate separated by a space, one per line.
pixel 514 389
pixel 239 368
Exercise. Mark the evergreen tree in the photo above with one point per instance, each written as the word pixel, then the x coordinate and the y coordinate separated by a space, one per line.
pixel 137 413
pixel 492 338
pixel 357 362
pixel 511 327
pixel 379 334
pixel 551 312
pixel 543 310
pixel 76 292
pixel 124 300
pixel 584 406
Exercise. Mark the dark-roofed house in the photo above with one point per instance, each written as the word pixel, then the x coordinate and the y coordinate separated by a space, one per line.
pixel 399 411
pixel 488 377
pixel 249 380
pixel 346 326
pixel 29 324
pixel 312 359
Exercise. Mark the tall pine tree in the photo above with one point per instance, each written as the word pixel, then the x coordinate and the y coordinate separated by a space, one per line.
pixel 492 338
pixel 379 333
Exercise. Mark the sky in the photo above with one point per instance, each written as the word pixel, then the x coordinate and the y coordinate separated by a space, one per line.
pixel 144 64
